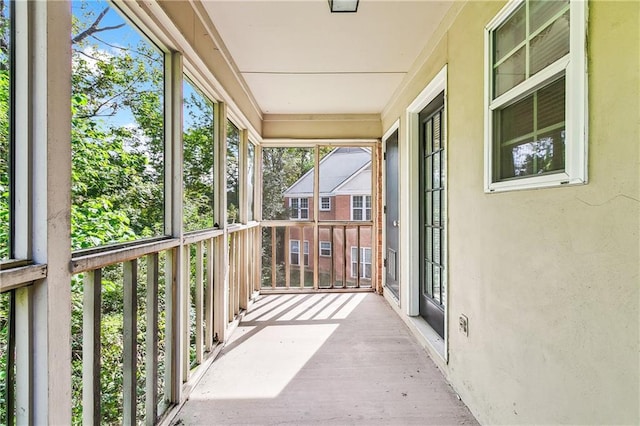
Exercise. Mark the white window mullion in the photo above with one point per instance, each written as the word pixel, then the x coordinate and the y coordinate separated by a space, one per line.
pixel 531 84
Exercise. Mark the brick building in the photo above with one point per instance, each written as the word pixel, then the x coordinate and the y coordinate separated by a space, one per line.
pixel 344 196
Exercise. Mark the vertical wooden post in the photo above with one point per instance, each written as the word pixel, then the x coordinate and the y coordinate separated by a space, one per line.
pixel 173 335
pixel 246 270
pixel 185 310
pixel 257 240
pixel 376 216
pixel 287 256
pixel 151 341
pixel 23 204
pixel 237 268
pixel 130 331
pixel 333 249
pixel 273 257
pixel 22 316
pixel 10 378
pixel 316 213
pixel 344 256
pixel 219 290
pixel 48 105
pixel 208 297
pixel 91 318
pixel 198 300
pixel 230 276
pixel 301 255
pixel 359 256
pixel 231 253
pixel 173 223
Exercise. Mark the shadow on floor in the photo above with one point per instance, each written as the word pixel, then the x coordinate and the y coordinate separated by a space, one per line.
pixel 322 359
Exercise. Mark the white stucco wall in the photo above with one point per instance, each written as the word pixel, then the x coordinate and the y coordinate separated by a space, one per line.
pixel 548 278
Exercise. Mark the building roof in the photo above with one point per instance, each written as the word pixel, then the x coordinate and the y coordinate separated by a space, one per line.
pixel 336 168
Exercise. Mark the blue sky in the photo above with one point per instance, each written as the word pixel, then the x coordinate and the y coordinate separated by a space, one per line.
pixel 109 41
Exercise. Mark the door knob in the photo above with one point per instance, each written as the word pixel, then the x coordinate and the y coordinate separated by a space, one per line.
pixel 396 223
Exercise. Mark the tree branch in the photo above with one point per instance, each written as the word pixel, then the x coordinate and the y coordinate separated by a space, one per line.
pixel 93 28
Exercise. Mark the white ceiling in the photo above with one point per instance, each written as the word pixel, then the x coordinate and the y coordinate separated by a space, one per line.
pixel 298 58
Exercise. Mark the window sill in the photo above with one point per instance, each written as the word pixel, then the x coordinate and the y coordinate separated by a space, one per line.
pixel 534 182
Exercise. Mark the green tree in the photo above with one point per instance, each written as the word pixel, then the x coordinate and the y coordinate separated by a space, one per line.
pixel 281 168
pixel 233 172
pixel 117 169
pixel 117 145
pixel 198 160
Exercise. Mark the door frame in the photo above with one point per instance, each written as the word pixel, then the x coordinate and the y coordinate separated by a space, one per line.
pixel 409 204
pixel 395 126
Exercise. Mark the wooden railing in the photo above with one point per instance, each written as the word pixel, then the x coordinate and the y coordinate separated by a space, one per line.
pixel 16 279
pixel 176 300
pixel 293 258
pixel 135 274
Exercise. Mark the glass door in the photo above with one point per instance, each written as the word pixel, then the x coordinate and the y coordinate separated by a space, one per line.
pixel 432 214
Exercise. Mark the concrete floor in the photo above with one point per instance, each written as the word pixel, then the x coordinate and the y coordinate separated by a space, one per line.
pixel 323 359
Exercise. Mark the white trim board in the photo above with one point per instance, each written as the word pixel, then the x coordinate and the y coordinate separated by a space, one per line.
pixel 392 129
pixel 408 148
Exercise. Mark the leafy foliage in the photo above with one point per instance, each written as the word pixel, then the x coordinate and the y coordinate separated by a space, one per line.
pixel 233 172
pixel 281 168
pixel 5 300
pixel 118 180
pixel 117 166
pixel 117 142
pixel 198 175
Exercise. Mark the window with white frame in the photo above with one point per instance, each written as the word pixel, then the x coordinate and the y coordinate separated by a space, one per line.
pixel 294 252
pixel 364 262
pixel 325 248
pixel 536 95
pixel 299 208
pixel 118 107
pixel 198 167
pixel 305 251
pixel 361 207
pixel 325 203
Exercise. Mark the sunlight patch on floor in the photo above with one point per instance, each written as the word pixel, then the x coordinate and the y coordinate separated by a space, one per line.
pixel 307 315
pixel 349 307
pixel 265 305
pixel 263 365
pixel 301 308
pixel 276 311
pixel 327 312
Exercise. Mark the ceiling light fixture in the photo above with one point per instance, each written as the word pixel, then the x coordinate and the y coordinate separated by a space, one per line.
pixel 342 6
